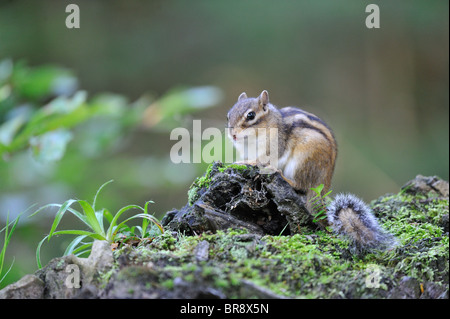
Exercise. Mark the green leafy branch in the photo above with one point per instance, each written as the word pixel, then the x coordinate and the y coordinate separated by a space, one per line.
pixel 36 101
pixel 39 106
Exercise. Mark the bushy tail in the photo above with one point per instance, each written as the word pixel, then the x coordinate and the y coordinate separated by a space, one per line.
pixel 350 217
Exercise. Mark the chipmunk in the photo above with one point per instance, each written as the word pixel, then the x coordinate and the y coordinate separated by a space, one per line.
pixel 305 151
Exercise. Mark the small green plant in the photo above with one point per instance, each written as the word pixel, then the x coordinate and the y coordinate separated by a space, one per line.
pixel 116 232
pixel 8 232
pixel 319 203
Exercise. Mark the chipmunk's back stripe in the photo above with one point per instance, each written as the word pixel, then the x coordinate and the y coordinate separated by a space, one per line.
pixel 294 111
pixel 304 125
pixel 309 121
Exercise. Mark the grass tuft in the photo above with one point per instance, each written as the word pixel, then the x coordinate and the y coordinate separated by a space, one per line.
pixel 116 232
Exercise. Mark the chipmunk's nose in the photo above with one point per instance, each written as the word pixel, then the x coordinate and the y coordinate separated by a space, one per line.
pixel 232 134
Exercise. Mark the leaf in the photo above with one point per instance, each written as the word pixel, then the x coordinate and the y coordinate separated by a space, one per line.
pixel 73 211
pixel 318 189
pixel 116 217
pixel 9 129
pixel 38 252
pixel 99 217
pixel 37 83
pixel 91 218
pixel 166 112
pixel 6 272
pixel 50 146
pixel 65 232
pixel 59 215
pixel 327 194
pixel 98 192
pixel 112 105
pixel 8 234
pixel 143 229
pixel 149 217
pixel 83 249
pixel 109 217
pixel 65 105
pixel 47 120
pixel 145 221
pixel 70 248
pixel 79 232
pixel 142 215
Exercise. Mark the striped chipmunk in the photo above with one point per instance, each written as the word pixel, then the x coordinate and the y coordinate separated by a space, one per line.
pixel 303 149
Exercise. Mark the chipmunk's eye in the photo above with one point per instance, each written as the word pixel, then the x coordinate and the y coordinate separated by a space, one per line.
pixel 251 115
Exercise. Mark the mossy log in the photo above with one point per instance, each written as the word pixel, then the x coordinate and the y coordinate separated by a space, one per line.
pixel 217 246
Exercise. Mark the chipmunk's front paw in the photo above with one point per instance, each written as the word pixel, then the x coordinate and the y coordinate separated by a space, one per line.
pixel 272 170
pixel 268 169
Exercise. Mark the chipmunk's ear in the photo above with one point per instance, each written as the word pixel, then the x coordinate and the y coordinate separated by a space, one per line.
pixel 264 99
pixel 242 96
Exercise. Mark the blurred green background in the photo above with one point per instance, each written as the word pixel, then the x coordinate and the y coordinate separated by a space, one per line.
pixel 136 69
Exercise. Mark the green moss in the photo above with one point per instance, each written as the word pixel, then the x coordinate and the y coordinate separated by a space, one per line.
pixel 164 242
pixel 104 277
pixel 205 180
pixel 199 183
pixel 412 218
pixel 237 167
pixel 168 284
pixel 423 247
